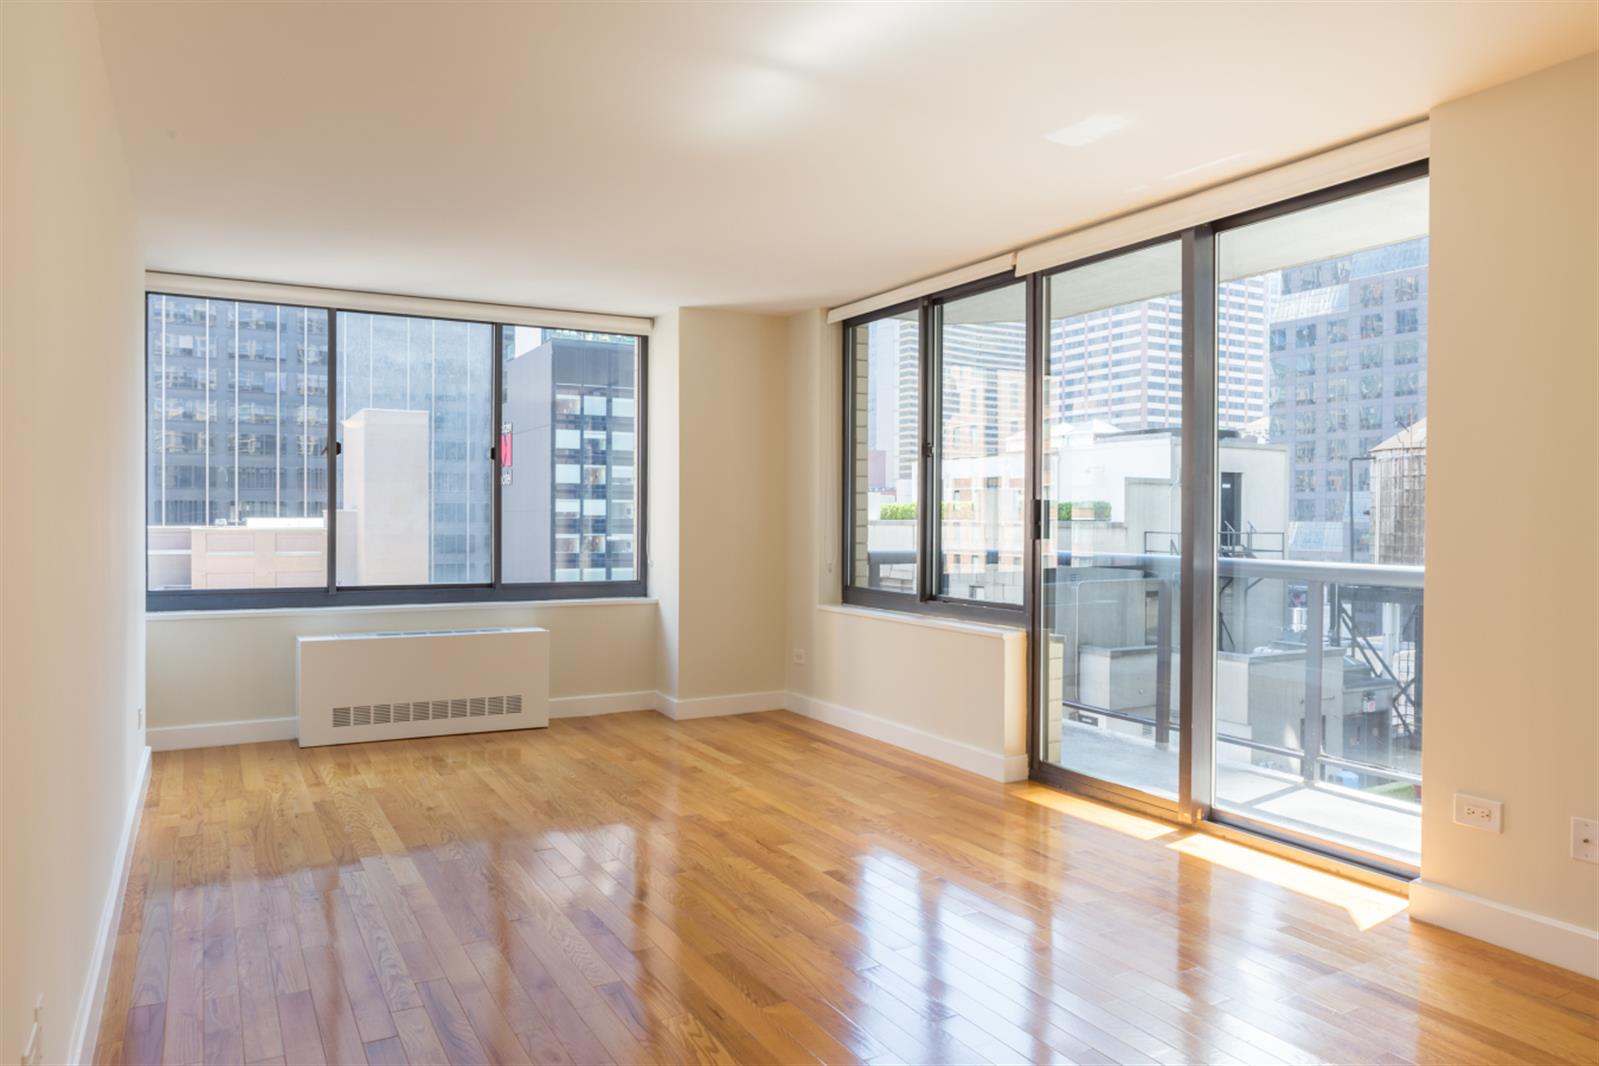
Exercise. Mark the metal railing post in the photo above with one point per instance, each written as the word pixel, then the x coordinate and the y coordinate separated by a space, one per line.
pixel 1163 613
pixel 1315 593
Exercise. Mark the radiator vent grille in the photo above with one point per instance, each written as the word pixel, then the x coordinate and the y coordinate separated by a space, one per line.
pixel 369 714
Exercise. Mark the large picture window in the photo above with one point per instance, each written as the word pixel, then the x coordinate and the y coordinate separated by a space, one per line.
pixel 310 456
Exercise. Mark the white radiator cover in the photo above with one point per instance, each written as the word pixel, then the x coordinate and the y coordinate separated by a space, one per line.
pixel 357 687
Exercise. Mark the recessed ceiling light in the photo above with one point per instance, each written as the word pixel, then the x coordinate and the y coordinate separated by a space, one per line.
pixel 1089 130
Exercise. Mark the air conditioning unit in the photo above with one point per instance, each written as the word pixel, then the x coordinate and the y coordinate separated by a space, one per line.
pixel 387 686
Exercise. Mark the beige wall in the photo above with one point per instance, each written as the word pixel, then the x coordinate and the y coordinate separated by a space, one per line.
pixel 954 691
pixel 732 503
pixel 663 505
pixel 212 667
pixel 1512 698
pixel 71 485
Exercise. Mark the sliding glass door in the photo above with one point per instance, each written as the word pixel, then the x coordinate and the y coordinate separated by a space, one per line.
pixel 1110 520
pixel 1286 352
pixel 1319 538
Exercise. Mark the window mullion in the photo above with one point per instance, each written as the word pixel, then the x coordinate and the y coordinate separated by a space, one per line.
pixel 1197 640
pixel 927 513
pixel 496 459
pixel 331 451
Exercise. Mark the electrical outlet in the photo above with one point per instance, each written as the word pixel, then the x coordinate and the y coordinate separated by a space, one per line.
pixel 1479 813
pixel 1585 839
pixel 141 718
pixel 799 656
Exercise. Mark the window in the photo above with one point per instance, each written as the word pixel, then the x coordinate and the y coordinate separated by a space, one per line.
pixel 887 448
pixel 416 411
pixel 567 491
pixel 237 425
pixel 1407 320
pixel 421 455
pixel 981 457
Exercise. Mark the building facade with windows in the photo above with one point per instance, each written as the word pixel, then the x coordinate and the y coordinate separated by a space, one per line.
pixel 1348 351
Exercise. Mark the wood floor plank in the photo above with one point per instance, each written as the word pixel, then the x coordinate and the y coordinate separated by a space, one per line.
pixel 761 888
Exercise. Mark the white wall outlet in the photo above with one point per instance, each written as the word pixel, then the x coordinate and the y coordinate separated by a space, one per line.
pixel 1479 813
pixel 141 718
pixel 1585 839
pixel 799 656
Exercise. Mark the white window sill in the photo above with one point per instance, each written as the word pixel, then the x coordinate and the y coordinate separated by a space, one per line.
pixel 956 625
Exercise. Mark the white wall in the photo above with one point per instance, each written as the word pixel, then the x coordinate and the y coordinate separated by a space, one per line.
pixel 1512 697
pixel 71 485
pixel 954 691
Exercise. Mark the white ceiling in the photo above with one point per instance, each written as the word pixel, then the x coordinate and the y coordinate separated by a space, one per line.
pixel 636 157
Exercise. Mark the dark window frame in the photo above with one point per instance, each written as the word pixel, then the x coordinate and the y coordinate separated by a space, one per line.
pixel 925 599
pixel 496 590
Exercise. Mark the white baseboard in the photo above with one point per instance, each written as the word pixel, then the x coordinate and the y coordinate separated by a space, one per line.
pixel 715 706
pixel 994 765
pixel 257 730
pixel 219 734
pixel 604 703
pixel 86 1023
pixel 1549 939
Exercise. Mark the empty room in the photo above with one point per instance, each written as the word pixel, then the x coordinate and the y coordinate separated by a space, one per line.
pixel 799 532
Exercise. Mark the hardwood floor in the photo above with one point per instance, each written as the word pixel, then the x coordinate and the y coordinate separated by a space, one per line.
pixel 756 889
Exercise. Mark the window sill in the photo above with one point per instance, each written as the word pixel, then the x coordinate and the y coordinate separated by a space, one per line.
pixel 399 608
pixel 928 621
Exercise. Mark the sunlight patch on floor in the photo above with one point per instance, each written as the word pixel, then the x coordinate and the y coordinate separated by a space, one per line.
pixel 1133 825
pixel 1366 906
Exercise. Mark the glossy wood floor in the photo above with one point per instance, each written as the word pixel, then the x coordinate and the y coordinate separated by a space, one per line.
pixel 756 889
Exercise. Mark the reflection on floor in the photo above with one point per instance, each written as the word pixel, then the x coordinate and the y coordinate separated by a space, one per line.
pixel 1342 816
pixel 756 889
